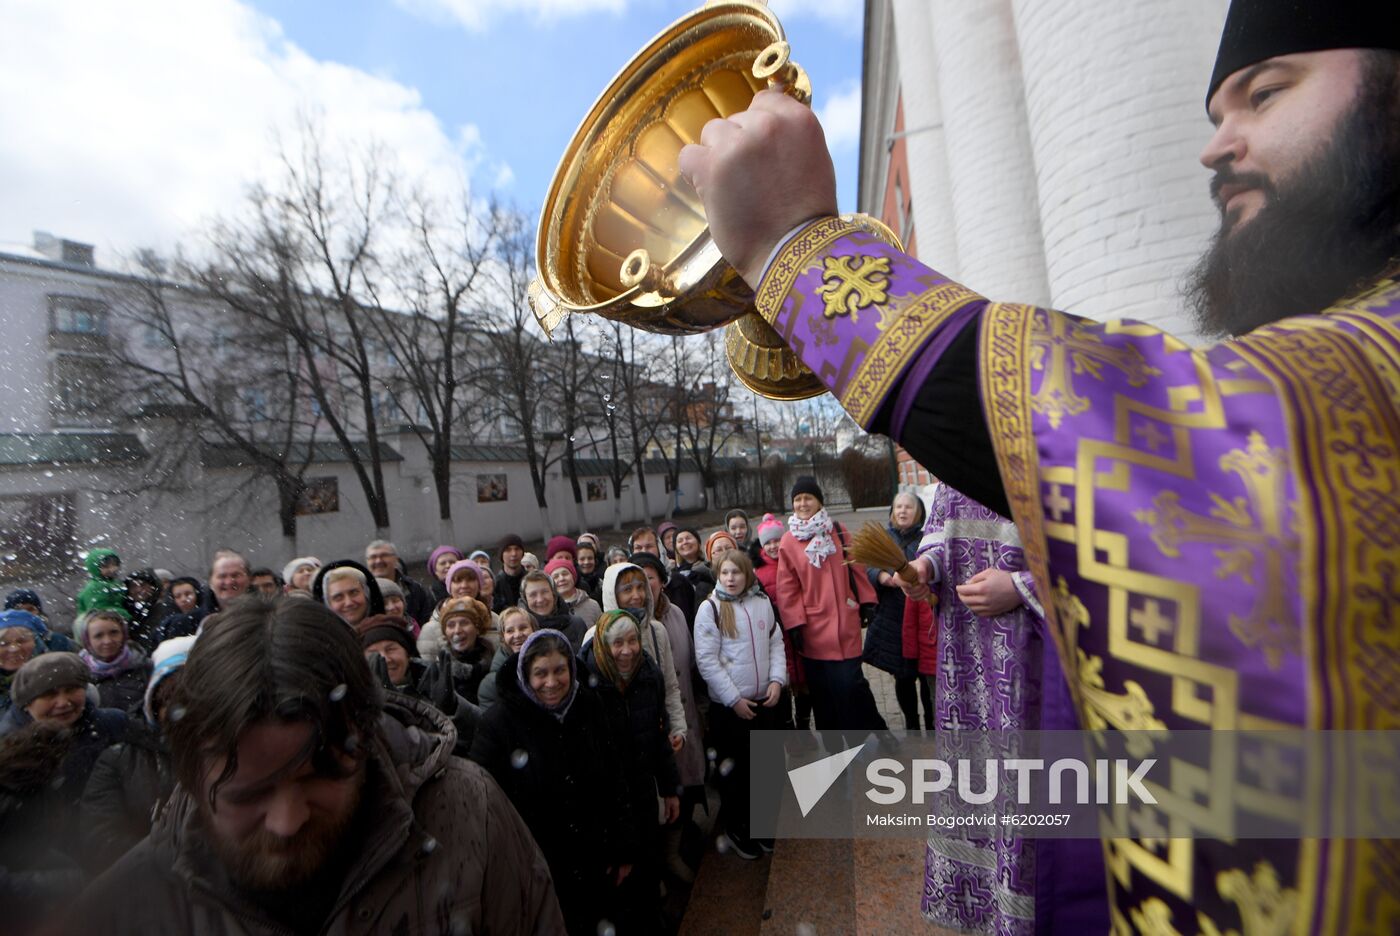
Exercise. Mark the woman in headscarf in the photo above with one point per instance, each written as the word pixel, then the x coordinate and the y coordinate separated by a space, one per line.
pixel 439 561
pixel 119 668
pixel 633 694
pixel 551 748
pixel 550 611
pixel 22 638
pixel 884 638
pixel 517 625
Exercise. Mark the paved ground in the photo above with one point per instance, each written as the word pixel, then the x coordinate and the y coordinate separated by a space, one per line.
pixel 869 887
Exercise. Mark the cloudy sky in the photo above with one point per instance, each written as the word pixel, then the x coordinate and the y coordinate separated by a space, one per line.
pixel 130 124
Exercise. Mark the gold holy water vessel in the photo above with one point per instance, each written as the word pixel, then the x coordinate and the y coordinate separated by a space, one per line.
pixel 623 235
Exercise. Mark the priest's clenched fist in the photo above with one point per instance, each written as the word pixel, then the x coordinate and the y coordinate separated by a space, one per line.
pixel 761 173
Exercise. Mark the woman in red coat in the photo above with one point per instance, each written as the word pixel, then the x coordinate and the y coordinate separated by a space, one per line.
pixel 819 599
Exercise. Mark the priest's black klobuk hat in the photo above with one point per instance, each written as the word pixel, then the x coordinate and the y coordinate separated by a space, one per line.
pixel 1256 30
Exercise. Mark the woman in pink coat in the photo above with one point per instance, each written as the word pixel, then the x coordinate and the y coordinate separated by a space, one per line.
pixel 819 600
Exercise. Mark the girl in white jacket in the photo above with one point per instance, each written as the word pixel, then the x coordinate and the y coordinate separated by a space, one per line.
pixel 739 652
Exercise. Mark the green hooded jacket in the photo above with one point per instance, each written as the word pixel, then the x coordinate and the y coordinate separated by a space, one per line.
pixel 100 592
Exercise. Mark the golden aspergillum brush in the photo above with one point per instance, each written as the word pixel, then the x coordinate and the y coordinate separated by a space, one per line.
pixel 871 545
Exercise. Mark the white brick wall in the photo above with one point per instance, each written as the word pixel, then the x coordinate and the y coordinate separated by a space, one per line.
pixel 993 186
pixel 1114 101
pixel 931 188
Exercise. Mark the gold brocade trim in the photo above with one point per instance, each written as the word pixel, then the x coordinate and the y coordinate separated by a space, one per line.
pixel 900 340
pixel 1344 435
pixel 794 257
pixel 1005 369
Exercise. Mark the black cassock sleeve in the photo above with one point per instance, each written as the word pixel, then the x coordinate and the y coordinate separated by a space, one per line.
pixel 946 431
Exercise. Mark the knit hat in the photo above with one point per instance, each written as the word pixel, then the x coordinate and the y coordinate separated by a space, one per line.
pixel 389 589
pixel 664 527
pixel 530 560
pixel 561 562
pixel 23 596
pixel 770 529
pixel 591 538
pixel 648 561
pixel 556 545
pixel 714 538
pixel 45 674
pixel 386 627
pixel 17 618
pixel 806 484
pixel 470 566
pixel 470 607
pixel 290 569
pixel 438 553
pixel 168 658
pixel 480 554
pixel 509 540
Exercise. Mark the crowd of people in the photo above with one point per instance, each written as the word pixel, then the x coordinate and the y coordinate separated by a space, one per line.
pixel 248 746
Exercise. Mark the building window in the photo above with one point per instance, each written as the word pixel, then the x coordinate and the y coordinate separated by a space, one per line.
pixel 75 315
pixel 79 384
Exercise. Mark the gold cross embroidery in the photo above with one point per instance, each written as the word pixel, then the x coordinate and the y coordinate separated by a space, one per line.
pixel 848 287
pixel 1065 349
pixel 1246 528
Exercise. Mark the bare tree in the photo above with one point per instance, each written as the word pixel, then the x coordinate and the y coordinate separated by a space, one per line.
pixel 171 351
pixel 302 261
pixel 440 275
pixel 707 422
pixel 575 391
pixel 516 372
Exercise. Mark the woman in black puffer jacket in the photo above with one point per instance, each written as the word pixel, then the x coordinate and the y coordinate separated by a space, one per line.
pixel 550 746
pixel 884 640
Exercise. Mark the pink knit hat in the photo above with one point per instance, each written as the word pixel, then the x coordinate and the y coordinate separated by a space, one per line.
pixel 560 562
pixel 770 528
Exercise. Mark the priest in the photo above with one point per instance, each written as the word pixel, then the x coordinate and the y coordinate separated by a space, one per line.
pixel 1212 532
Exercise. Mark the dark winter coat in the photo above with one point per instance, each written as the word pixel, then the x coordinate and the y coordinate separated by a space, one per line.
pixel 638 714
pixel 178 625
pixel 417 601
pixel 442 852
pixel 569 783
pixel 701 581
pixel 507 593
pixel 128 781
pixel 486 694
pixel 39 845
pixel 95 731
pixel 464 719
pixel 884 638
pixel 471 667
pixel 126 689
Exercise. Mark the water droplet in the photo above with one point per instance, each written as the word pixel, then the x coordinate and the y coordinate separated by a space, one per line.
pixel 605 928
pixel 48 474
pixel 592 681
pixel 711 754
pixel 519 758
pixel 11 557
pixel 430 846
pixel 338 692
pixel 806 929
pixel 177 712
pixel 722 845
pixel 726 767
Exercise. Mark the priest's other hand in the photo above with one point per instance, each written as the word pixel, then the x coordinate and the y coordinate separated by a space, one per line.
pixel 989 593
pixel 761 173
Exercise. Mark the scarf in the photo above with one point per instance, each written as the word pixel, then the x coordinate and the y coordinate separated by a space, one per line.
pixel 116 667
pixel 815 531
pixel 562 709
pixel 723 595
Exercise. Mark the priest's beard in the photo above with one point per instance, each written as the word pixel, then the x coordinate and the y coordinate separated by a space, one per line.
pixel 1329 230
pixel 271 864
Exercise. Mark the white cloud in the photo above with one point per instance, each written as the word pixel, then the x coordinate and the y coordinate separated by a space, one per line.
pixel 476 15
pixel 131 123
pixel 840 116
